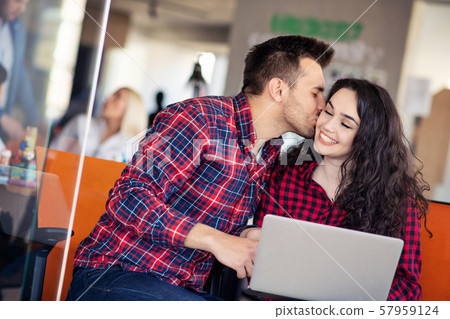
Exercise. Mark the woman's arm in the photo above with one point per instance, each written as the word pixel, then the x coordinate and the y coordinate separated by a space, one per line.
pixel 405 285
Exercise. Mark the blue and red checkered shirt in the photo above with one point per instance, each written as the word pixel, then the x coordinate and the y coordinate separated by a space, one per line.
pixel 291 192
pixel 193 166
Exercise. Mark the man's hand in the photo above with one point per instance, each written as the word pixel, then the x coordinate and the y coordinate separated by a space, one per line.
pixel 252 233
pixel 235 252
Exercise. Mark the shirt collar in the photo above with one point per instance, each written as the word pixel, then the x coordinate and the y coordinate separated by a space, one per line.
pixel 307 170
pixel 244 121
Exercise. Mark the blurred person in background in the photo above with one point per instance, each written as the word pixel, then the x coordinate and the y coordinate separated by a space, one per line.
pixel 123 117
pixel 159 107
pixel 18 89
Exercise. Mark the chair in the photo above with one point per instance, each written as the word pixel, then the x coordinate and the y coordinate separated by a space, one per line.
pixel 47 238
pixel 435 277
pixel 224 283
pixel 24 244
pixel 97 179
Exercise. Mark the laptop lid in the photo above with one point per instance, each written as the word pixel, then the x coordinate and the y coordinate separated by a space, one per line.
pixel 310 261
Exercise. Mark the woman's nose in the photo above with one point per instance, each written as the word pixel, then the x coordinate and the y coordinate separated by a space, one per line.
pixel 330 125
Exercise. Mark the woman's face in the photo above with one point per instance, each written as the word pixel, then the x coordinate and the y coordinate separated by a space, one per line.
pixel 114 107
pixel 337 126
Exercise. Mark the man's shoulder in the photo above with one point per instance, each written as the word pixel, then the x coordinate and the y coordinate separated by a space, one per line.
pixel 211 108
pixel 212 104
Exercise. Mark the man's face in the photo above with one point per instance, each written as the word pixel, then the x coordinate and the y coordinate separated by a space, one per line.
pixel 12 9
pixel 305 99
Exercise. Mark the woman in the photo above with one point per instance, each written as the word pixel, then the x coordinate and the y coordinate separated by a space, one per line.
pixel 123 117
pixel 365 181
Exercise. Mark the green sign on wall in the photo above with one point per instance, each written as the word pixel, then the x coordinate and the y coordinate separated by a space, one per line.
pixel 312 27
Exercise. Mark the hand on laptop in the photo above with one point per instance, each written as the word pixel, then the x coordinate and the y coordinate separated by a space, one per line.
pixel 235 252
pixel 252 233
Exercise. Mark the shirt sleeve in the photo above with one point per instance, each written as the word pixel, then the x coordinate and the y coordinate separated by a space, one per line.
pixel 405 285
pixel 167 157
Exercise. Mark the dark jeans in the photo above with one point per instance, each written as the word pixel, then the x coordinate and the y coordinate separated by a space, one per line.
pixel 117 284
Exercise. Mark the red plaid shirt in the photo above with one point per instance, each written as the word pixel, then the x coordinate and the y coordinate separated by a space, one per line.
pixel 295 194
pixel 194 166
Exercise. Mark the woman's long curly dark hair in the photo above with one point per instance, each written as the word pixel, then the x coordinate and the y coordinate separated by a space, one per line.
pixel 380 173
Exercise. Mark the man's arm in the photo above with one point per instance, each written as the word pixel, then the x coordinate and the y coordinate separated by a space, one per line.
pixel 165 163
pixel 232 251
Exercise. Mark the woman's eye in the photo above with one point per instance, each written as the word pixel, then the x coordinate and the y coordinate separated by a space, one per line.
pixel 345 125
pixel 328 112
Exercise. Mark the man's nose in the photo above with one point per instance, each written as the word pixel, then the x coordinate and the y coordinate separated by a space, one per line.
pixel 321 103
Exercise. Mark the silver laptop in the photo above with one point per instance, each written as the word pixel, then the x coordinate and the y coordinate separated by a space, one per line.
pixel 309 261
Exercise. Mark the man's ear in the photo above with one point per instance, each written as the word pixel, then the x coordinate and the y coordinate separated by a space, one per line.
pixel 276 89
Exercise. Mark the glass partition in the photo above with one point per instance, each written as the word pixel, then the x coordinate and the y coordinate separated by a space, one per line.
pixel 58 70
pixel 40 53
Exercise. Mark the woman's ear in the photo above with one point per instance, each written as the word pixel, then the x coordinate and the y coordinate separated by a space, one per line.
pixel 276 89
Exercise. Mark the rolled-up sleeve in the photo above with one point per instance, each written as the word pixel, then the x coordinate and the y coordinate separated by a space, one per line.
pixel 167 157
pixel 406 284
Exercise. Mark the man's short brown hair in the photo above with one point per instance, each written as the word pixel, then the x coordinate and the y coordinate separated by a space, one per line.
pixel 280 57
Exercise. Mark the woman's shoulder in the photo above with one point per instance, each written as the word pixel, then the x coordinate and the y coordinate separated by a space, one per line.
pixel 297 171
pixel 302 156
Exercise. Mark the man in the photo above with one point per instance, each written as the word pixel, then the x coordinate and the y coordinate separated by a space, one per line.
pixel 196 179
pixel 12 55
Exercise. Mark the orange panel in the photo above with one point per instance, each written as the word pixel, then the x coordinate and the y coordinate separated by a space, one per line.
pixel 97 179
pixel 435 277
pixel 99 176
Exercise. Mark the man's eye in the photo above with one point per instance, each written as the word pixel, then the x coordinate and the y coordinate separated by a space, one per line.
pixel 328 112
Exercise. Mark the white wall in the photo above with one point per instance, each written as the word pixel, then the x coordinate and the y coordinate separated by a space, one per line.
pixel 149 65
pixel 428 54
pixel 372 48
pixel 427 57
